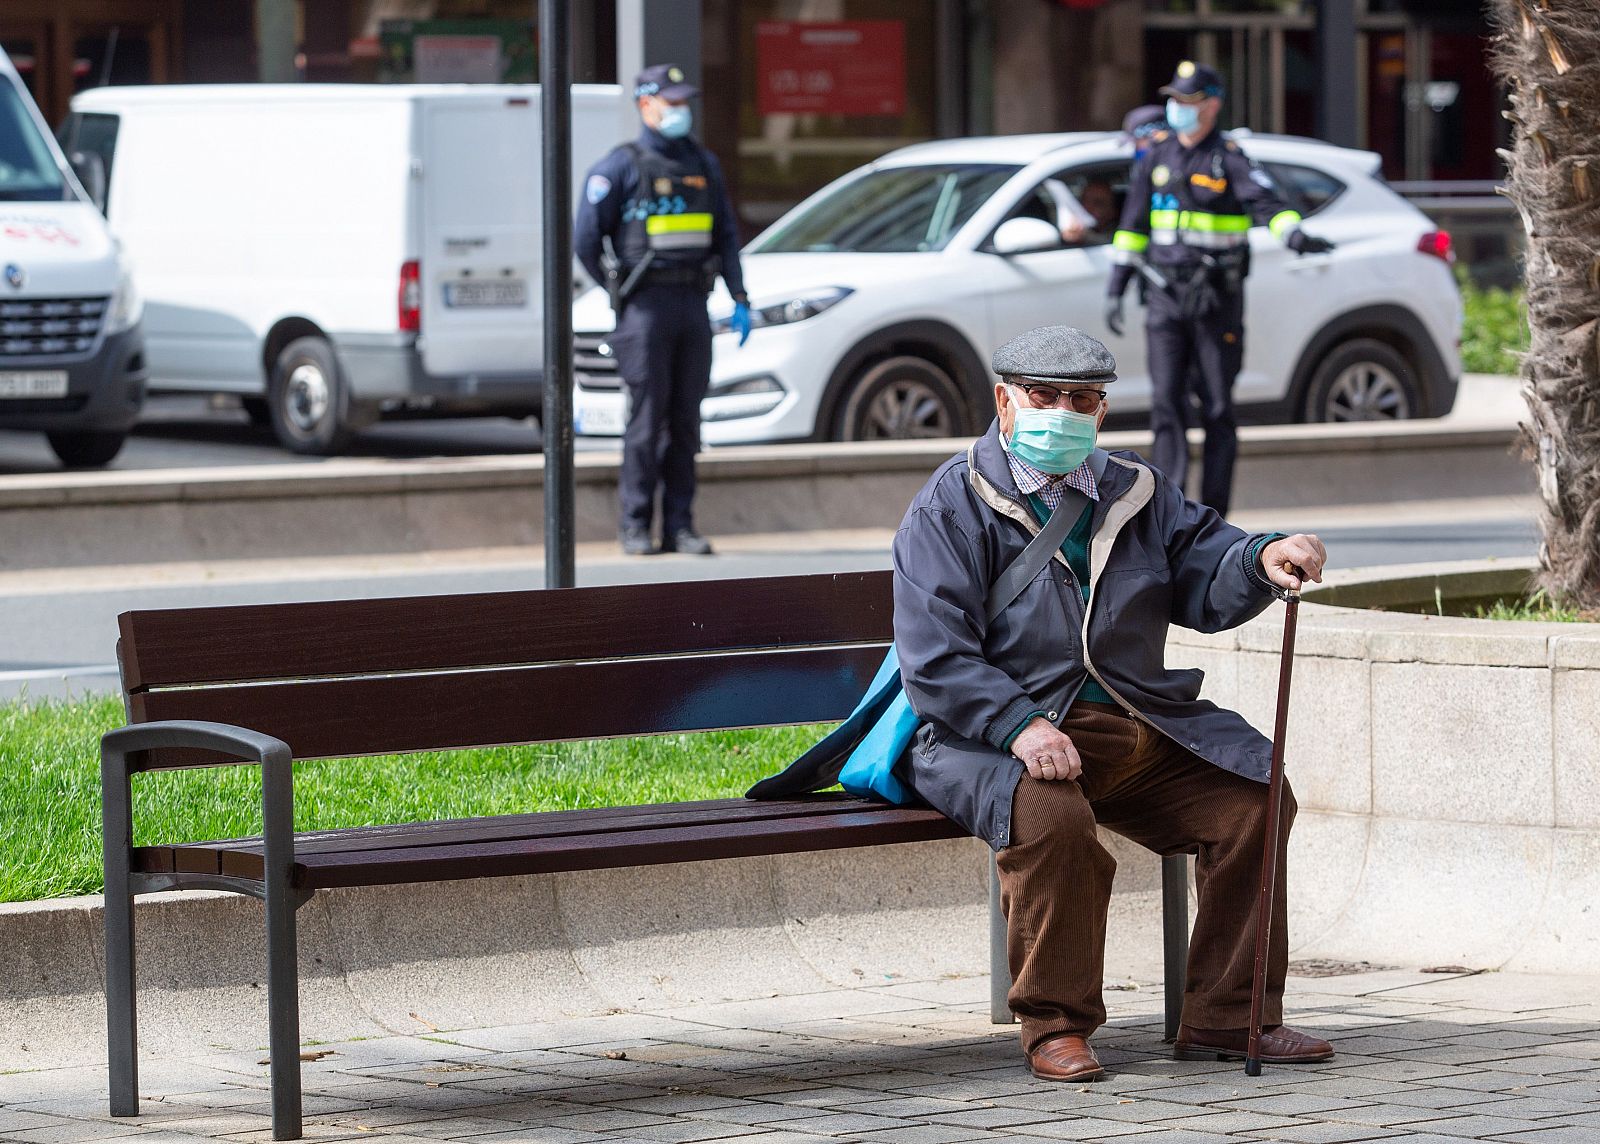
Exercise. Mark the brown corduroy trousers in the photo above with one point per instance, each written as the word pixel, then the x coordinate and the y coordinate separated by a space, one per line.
pixel 1055 877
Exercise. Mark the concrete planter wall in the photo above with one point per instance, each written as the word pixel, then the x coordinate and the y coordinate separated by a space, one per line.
pixel 1448 772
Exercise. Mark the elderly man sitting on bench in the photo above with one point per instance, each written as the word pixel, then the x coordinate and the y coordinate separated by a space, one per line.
pixel 1058 713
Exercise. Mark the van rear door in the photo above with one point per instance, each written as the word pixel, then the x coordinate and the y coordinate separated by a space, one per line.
pixel 482 302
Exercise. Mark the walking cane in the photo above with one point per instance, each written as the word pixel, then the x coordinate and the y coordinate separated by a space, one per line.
pixel 1269 860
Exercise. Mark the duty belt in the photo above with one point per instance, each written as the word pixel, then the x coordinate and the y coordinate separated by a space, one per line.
pixel 674 276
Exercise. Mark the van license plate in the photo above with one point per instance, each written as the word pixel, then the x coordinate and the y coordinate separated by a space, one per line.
pixel 33 383
pixel 487 292
pixel 602 417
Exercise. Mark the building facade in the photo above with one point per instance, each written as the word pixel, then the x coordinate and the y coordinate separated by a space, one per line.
pixel 800 91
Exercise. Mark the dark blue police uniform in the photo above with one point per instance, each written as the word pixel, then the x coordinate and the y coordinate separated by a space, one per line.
pixel 664 207
pixel 1187 218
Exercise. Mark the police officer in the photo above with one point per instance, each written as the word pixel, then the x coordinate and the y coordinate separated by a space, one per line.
pixel 656 227
pixel 1192 200
pixel 1142 123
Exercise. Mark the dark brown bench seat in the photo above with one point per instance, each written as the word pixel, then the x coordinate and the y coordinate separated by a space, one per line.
pixel 264 685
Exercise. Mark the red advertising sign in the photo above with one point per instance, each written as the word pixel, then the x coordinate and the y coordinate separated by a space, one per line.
pixel 845 67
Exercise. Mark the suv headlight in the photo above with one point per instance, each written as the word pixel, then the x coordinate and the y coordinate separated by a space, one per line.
pixel 795 309
pixel 126 306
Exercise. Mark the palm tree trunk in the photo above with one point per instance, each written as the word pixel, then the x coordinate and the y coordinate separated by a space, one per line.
pixel 1548 54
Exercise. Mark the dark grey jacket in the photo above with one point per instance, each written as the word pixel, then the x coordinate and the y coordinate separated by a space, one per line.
pixel 1155 559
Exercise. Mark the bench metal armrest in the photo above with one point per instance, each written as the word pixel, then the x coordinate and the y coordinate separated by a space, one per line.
pixel 241 742
pixel 277 893
pixel 277 789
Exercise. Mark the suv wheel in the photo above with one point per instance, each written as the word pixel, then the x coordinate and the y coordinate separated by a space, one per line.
pixel 1362 380
pixel 901 398
pixel 308 400
pixel 86 449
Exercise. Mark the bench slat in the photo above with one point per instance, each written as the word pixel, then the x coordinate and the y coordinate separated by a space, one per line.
pixel 396 714
pixel 600 851
pixel 180 646
pixel 543 824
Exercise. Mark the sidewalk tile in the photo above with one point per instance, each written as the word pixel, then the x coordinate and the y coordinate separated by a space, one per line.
pixel 994 1116
pixel 1294 1104
pixel 1230 1122
pixel 852 1124
pixel 925 1134
pixel 1327 1133
pixel 1078 1128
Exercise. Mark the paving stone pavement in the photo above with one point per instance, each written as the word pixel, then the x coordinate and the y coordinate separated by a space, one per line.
pixel 1424 1059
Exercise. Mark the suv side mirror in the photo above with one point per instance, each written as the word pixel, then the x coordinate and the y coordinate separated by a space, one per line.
pixel 91 172
pixel 1025 236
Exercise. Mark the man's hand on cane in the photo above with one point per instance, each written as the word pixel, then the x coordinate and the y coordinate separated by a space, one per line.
pixel 1046 751
pixel 1294 559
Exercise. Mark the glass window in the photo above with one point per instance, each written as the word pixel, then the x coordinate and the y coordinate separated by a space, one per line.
pixel 823 87
pixel 890 210
pixel 96 134
pixel 28 171
pixel 1307 189
pixel 1100 189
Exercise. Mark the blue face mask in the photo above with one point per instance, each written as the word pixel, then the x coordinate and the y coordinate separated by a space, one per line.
pixel 1053 440
pixel 676 120
pixel 1183 117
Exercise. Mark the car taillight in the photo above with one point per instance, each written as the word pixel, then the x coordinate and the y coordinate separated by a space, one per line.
pixel 1437 243
pixel 410 317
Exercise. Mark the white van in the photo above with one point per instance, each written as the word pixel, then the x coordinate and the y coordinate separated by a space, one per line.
pixel 71 358
pixel 333 254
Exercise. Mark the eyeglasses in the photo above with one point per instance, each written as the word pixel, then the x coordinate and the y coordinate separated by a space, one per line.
pixel 1042 396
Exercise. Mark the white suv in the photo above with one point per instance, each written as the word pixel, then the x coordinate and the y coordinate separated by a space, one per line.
pixel 879 300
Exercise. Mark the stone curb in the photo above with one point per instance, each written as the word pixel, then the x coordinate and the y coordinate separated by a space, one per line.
pixel 352 507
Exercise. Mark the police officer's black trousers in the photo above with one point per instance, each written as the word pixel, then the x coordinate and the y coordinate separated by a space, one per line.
pixel 1212 343
pixel 663 348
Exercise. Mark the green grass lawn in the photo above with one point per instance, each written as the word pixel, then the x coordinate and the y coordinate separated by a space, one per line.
pixel 50 787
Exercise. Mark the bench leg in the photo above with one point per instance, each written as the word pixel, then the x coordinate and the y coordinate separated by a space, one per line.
pixel 1175 935
pixel 999 964
pixel 122 1038
pixel 283 971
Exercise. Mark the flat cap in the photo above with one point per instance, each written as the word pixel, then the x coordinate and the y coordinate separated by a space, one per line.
pixel 1059 353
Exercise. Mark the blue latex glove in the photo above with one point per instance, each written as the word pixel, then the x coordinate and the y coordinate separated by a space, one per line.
pixel 740 322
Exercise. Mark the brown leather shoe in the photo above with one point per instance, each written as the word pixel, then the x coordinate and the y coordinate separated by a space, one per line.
pixel 1067 1057
pixel 1280 1045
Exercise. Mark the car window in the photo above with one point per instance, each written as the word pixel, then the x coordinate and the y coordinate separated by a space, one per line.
pixel 96 133
pixel 28 171
pixel 889 210
pixel 1307 189
pixel 1099 188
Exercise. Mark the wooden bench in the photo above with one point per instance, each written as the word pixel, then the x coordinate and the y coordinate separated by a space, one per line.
pixel 263 685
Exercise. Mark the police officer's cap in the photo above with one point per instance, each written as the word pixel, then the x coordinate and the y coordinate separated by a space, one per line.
pixel 1193 82
pixel 1055 353
pixel 665 80
pixel 1141 121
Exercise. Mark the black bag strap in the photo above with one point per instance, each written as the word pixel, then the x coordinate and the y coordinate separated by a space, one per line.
pixel 1043 545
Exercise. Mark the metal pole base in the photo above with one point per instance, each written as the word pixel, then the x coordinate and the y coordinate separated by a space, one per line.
pixel 1252 1067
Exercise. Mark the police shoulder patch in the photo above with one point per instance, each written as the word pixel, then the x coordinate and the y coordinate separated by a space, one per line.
pixel 597 188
